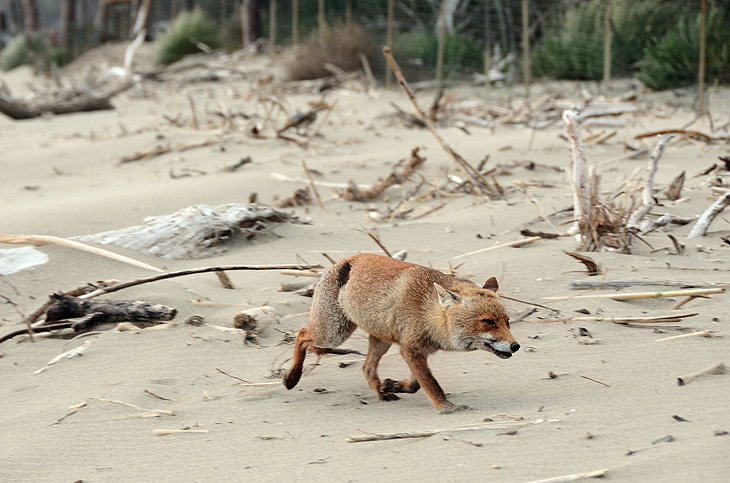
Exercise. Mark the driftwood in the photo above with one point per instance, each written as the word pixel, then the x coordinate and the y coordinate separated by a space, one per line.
pixel 702 333
pixel 355 193
pixel 591 284
pixel 718 369
pixel 647 195
pixel 429 433
pixel 674 190
pixel 513 244
pixel 94 95
pixel 644 295
pixel 480 183
pixel 93 312
pixel 197 231
pixel 616 320
pixel 41 240
pixel 578 166
pixel 692 134
pixel 590 264
pixel 576 476
pixel 297 269
pixel 68 312
pixel 703 223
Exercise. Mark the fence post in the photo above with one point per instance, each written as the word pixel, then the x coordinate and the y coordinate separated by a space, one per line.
pixel 272 24
pixel 320 16
pixel 389 41
pixel 607 40
pixel 295 22
pixel 701 68
pixel 487 49
pixel 526 46
pixel 348 13
pixel 441 47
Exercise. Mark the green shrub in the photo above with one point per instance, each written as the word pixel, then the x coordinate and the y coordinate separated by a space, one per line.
pixel 180 39
pixel 417 51
pixel 573 49
pixel 674 60
pixel 24 49
pixel 339 45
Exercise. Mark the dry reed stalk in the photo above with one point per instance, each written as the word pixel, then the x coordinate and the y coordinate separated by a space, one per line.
pixel 644 295
pixel 480 183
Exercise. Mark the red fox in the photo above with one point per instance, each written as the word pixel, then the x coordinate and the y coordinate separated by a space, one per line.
pixel 420 309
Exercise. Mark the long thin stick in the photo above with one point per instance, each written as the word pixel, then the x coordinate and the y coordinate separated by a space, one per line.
pixel 516 243
pixel 480 184
pixel 429 433
pixel 311 183
pixel 643 295
pixel 702 333
pixel 41 240
pixel 574 477
pixel 616 320
pixel 193 271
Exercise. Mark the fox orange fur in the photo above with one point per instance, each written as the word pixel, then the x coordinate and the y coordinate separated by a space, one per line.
pixel 418 308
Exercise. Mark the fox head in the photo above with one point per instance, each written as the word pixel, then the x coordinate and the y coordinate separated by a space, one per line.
pixel 476 319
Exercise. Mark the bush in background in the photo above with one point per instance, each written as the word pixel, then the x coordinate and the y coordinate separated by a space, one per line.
pixel 25 49
pixel 674 60
pixel 181 39
pixel 339 45
pixel 573 49
pixel 417 51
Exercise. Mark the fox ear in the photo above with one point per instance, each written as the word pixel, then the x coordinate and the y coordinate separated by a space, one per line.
pixel 447 298
pixel 491 284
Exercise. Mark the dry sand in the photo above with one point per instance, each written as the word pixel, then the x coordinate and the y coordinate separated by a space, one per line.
pixel 59 178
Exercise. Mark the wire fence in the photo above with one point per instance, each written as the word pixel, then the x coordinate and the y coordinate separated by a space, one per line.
pixel 663 43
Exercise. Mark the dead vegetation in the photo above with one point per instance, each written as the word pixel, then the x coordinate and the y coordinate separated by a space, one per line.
pixel 341 46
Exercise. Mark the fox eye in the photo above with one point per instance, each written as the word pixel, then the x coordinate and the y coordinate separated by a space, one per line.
pixel 489 322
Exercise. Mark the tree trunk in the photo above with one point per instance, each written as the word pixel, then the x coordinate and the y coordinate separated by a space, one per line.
pixel 30 15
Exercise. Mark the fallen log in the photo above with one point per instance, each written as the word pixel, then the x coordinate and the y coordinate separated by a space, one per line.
pixel 93 95
pixel 105 311
pixel 197 231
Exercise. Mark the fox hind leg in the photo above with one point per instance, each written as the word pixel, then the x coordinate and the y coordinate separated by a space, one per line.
pixel 304 342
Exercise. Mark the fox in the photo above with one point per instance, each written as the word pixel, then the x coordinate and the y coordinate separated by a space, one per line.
pixel 395 302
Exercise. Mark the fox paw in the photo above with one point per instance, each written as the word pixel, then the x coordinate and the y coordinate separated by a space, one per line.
pixel 387 396
pixel 448 408
pixel 389 385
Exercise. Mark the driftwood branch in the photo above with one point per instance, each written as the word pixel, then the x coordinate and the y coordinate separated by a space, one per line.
pixel 644 295
pixel 355 193
pixel 429 433
pixel 684 132
pixel 592 284
pixel 578 164
pixel 480 183
pixel 193 271
pixel 718 369
pixel 41 240
pixel 647 195
pixel 616 320
pixel 703 224
pixel 94 96
pixel 576 476
pixel 197 231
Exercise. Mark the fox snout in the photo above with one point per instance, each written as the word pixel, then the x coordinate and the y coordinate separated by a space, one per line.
pixel 501 348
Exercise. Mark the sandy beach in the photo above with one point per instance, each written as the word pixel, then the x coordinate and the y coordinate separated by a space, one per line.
pixel 579 396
